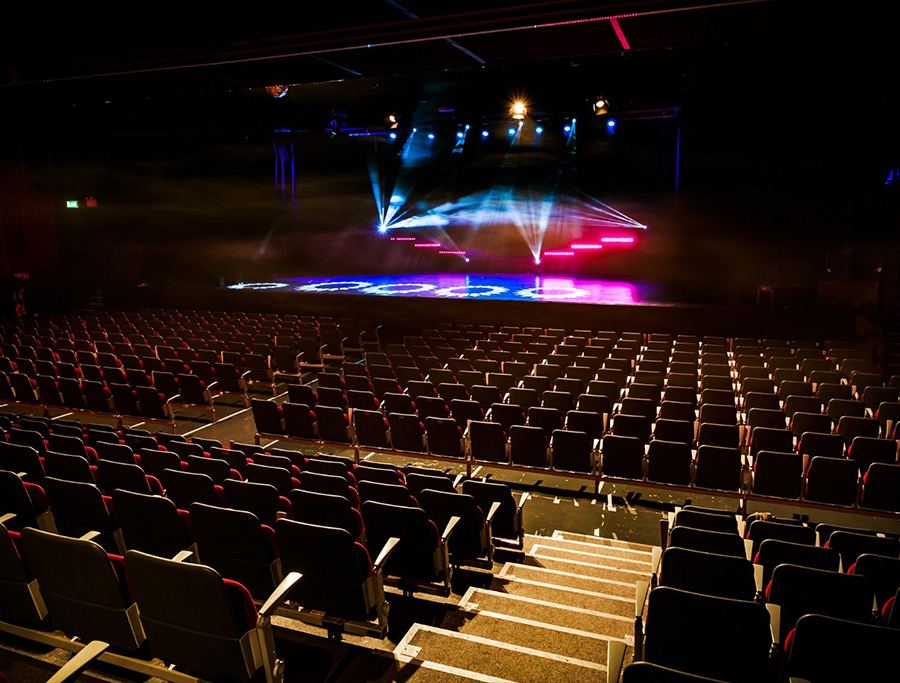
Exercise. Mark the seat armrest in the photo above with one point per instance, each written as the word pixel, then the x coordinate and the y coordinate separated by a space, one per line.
pixel 183 555
pixel 90 536
pixel 175 398
pixel 525 497
pixel 655 557
pixel 21 475
pixel 451 525
pixel 641 589
pixel 774 621
pixel 495 506
pixel 758 577
pixel 388 548
pixel 211 385
pixel 748 548
pixel 615 657
pixel 8 517
pixel 245 374
pixel 459 477
pixel 279 595
pixel 73 668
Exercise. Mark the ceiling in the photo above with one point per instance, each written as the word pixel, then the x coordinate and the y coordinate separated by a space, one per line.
pixel 214 46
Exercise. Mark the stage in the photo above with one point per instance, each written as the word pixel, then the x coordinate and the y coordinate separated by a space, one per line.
pixel 480 286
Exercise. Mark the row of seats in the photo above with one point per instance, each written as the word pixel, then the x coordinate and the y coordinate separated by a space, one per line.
pixel 783 584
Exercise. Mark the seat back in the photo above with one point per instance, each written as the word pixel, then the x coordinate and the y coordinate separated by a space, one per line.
pixel 716 542
pixel 150 524
pixel 708 573
pixel 469 539
pixel 803 590
pixel 194 619
pixel 85 594
pixel 843 641
pixel 773 552
pixel 334 568
pixel 415 557
pixel 238 546
pixel 714 622
pixel 326 509
pixel 184 488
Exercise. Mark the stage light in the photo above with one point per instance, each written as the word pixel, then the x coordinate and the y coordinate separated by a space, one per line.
pixel 484 133
pixel 391 121
pixel 467 260
pixel 538 130
pixel 601 106
pixel 567 129
pixel 611 125
pixel 518 110
pixel 537 261
pixel 459 135
pixel 393 136
pixel 468 126
pixel 431 136
pixel 511 131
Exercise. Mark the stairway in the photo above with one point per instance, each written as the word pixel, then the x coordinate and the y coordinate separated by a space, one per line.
pixel 547 619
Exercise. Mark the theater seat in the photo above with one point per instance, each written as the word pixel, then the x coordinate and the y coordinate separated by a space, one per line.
pixel 341 589
pixel 196 620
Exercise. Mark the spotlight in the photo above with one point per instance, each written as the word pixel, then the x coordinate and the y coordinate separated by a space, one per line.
pixel 567 129
pixel 511 132
pixel 538 130
pixel 393 136
pixel 468 126
pixel 431 136
pixel 537 260
pixel 484 133
pixel 382 227
pixel 611 125
pixel 518 110
pixel 391 121
pixel 459 134
pixel 600 106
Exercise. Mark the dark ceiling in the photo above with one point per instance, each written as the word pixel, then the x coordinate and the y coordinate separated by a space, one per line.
pixel 91 47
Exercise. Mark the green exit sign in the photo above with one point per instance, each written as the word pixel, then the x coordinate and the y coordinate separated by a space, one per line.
pixel 72 204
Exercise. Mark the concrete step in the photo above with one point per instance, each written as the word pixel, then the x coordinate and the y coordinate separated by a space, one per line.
pixel 613 626
pixel 567 579
pixel 493 658
pixel 384 667
pixel 613 558
pixel 591 647
pixel 606 550
pixel 597 568
pixel 571 597
pixel 599 540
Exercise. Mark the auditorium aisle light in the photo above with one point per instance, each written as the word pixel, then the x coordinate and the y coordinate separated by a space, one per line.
pixel 538 130
pixel 393 136
pixel 484 133
pixel 511 131
pixel 611 125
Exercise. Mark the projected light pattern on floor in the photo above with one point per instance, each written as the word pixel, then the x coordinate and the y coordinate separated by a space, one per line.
pixel 501 287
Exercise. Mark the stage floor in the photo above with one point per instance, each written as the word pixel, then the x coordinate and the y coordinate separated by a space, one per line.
pixel 478 286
